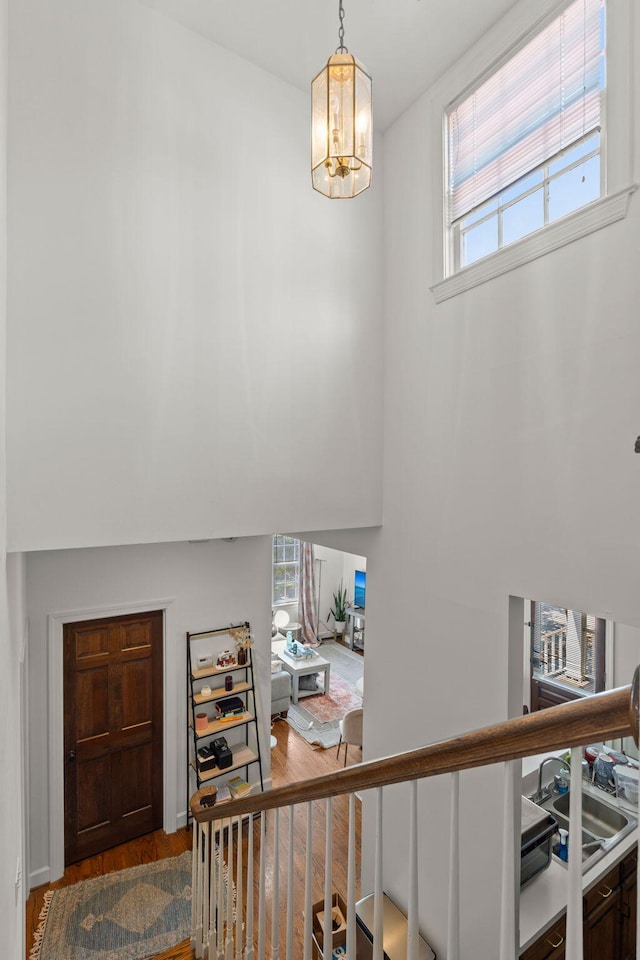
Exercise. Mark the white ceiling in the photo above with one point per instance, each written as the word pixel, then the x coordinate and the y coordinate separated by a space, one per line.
pixel 405 44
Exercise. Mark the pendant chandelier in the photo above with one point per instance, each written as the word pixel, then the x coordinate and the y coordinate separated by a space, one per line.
pixel 341 125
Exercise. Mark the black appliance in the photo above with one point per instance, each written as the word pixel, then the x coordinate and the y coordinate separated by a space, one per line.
pixel 537 830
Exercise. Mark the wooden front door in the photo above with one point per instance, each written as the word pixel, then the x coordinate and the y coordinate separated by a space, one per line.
pixel 113 714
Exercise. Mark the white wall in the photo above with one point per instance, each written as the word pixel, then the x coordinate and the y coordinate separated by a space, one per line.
pixel 208 585
pixel 510 417
pixel 12 890
pixel 191 325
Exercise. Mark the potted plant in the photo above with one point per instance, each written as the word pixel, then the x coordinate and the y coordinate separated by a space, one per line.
pixel 338 610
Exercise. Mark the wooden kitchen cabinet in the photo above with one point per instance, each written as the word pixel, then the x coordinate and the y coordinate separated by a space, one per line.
pixel 628 906
pixel 609 931
pixel 550 946
pixel 601 931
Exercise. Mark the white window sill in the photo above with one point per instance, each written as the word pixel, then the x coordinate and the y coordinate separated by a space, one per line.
pixel 552 237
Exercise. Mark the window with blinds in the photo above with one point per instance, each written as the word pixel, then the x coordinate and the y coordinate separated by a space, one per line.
pixel 524 145
pixel 568 648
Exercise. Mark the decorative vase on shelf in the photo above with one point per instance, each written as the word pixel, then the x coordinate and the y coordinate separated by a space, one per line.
pixel 242 657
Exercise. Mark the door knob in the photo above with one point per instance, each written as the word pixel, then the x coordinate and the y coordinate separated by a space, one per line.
pixel 71 756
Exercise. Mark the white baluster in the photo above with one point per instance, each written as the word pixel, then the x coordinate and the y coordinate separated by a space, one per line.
pixel 308 892
pixel 327 936
pixel 249 937
pixel 263 874
pixel 574 903
pixel 194 884
pixel 213 890
pixel 377 882
pixel 290 879
pixel 412 908
pixel 453 934
pixel 221 888
pixel 206 833
pixel 351 879
pixel 508 912
pixel 239 897
pixel 275 887
pixel 198 893
pixel 229 942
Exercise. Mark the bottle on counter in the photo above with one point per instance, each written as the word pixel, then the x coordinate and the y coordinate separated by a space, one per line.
pixel 563 847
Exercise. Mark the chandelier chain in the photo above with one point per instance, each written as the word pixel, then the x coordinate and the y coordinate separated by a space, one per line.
pixel 341 48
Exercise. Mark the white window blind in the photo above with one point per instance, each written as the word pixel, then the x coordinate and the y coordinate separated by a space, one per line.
pixel 543 99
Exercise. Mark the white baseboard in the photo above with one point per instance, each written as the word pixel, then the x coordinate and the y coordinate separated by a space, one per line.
pixel 38 877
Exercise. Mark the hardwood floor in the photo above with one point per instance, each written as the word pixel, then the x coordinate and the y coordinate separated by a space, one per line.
pixel 292 759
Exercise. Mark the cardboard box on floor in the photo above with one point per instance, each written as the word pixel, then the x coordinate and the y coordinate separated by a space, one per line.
pixel 339 916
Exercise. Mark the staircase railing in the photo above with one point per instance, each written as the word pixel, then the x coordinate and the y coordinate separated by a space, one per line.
pixel 266 886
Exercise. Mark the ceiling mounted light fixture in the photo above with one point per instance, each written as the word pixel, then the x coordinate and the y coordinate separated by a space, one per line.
pixel 341 125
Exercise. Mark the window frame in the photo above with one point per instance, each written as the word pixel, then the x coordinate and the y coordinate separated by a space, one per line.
pixel 282 563
pixel 513 31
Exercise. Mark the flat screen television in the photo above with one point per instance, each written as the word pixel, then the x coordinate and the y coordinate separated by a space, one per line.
pixel 359 588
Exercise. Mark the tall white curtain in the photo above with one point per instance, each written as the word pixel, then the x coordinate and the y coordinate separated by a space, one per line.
pixel 308 611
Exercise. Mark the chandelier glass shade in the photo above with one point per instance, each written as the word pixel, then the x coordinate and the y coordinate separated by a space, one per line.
pixel 341 127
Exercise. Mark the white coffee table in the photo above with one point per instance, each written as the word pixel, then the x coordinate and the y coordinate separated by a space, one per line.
pixel 302 667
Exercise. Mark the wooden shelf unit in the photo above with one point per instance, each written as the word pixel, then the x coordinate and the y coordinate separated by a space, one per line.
pixel 245 749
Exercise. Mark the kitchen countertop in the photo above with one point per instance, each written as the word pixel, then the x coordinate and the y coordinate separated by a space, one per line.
pixel 544 899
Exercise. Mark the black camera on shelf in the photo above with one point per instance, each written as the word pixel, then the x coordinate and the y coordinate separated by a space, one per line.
pixel 222 753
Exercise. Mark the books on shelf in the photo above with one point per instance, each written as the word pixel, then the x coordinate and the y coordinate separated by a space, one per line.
pixel 239 787
pixel 223 795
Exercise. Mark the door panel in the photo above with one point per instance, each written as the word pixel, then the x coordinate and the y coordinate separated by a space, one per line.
pixel 113 731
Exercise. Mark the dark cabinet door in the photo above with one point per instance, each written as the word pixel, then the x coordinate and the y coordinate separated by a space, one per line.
pixel 628 907
pixel 549 946
pixel 602 919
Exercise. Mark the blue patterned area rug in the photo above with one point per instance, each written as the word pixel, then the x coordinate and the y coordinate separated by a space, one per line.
pixel 126 915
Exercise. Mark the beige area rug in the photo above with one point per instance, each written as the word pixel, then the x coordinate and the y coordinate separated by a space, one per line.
pixel 127 915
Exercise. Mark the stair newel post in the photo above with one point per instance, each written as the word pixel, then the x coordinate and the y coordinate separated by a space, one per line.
pixel 239 895
pixel 412 909
pixel 229 898
pixel 574 902
pixel 377 882
pixel 263 874
pixel 249 932
pixel 289 953
pixel 327 936
pixel 275 897
pixel 351 879
pixel 453 935
pixel 308 893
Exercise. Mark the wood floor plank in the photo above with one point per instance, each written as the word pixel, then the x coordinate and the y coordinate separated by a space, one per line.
pixel 292 759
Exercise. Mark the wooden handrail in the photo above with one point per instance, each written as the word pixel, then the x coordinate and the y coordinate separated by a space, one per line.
pixel 604 716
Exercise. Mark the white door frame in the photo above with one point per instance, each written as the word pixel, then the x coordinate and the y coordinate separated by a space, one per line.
pixel 55 632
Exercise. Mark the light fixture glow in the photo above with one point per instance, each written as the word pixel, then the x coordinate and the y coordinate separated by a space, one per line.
pixel 341 125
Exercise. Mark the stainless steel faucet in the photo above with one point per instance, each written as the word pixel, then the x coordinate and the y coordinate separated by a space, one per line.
pixel 545 761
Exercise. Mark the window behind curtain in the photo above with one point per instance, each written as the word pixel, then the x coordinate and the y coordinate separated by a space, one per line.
pixel 286 569
pixel 524 144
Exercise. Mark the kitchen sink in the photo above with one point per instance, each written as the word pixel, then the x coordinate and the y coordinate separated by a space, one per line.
pixel 599 819
pixel 603 824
